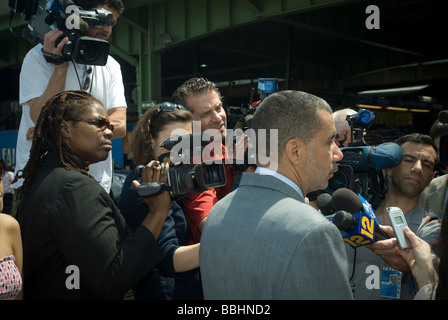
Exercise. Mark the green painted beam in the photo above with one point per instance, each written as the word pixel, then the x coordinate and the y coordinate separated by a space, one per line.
pixel 187 20
pixel 148 27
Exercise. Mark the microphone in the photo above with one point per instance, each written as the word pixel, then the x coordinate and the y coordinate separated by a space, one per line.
pixel 385 155
pixel 443 116
pixel 324 203
pixel 345 199
pixel 355 218
pixel 83 25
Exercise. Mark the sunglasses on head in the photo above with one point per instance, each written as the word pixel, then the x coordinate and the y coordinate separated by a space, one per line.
pixel 101 123
pixel 167 107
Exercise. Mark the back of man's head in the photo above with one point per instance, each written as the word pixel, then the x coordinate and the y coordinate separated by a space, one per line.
pixel 340 119
pixel 293 113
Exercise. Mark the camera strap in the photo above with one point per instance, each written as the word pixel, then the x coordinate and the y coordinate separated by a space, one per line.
pixel 151 189
pixel 52 58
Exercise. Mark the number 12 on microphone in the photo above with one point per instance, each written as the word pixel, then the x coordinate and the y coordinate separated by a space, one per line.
pixel 362 233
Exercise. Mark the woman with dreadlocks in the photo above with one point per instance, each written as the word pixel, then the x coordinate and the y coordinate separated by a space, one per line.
pixel 76 244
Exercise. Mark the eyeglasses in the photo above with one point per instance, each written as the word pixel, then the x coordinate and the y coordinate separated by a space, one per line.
pixel 2 169
pixel 100 123
pixel 86 78
pixel 167 107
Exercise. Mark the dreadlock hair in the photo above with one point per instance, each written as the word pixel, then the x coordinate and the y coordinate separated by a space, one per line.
pixel 47 137
pixel 147 129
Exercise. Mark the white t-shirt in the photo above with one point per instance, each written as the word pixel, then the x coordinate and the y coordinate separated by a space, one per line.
pixel 106 86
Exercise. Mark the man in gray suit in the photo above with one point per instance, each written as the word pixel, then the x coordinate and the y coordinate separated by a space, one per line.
pixel 263 241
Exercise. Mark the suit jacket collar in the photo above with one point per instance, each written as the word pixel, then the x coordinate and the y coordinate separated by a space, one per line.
pixel 439 183
pixel 269 182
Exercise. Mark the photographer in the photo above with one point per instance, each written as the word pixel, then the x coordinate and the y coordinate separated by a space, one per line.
pixel 343 130
pixel 177 276
pixel 40 80
pixel 371 268
pixel 203 99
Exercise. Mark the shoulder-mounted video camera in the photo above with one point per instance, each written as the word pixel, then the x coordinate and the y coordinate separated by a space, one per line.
pixel 266 87
pixel 45 15
pixel 184 177
pixel 361 168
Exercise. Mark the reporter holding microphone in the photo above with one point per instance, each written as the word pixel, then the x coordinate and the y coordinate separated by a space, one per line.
pixel 419 259
pixel 430 272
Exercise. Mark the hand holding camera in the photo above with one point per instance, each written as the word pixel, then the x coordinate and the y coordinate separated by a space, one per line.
pixel 154 179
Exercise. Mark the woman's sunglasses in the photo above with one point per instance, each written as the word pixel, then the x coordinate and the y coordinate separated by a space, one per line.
pixel 100 123
pixel 167 107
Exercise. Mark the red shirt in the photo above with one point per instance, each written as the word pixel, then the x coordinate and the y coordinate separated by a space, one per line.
pixel 197 205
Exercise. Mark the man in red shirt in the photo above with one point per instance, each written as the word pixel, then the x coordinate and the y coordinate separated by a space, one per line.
pixel 203 99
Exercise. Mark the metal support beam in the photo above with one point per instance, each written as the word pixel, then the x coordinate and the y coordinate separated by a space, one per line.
pixel 347 37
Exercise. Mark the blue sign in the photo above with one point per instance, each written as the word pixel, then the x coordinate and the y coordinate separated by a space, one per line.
pixel 8 141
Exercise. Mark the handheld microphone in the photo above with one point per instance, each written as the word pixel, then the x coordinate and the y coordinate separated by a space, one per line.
pixel 324 203
pixel 83 25
pixel 443 116
pixel 355 218
pixel 385 155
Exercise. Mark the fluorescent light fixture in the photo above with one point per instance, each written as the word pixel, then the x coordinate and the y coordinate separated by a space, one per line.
pixel 366 106
pixel 419 110
pixel 397 109
pixel 401 90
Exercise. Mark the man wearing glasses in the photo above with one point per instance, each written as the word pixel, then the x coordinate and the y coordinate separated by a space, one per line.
pixel 40 80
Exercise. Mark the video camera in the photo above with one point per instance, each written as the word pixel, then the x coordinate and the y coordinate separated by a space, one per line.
pixel 45 15
pixel 360 170
pixel 266 87
pixel 184 178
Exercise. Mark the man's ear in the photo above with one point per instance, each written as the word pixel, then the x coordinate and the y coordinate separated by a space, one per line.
pixel 389 171
pixel 295 150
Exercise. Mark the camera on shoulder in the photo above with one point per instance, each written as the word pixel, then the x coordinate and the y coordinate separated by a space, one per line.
pixel 45 15
pixel 361 168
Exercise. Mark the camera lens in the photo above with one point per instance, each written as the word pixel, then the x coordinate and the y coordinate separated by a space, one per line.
pixel 339 180
pixel 88 53
pixel 91 51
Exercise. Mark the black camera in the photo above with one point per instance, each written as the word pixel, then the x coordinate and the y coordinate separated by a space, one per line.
pixel 45 15
pixel 184 178
pixel 361 168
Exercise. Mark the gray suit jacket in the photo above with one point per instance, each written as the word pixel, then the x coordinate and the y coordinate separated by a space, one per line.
pixel 432 198
pixel 263 242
